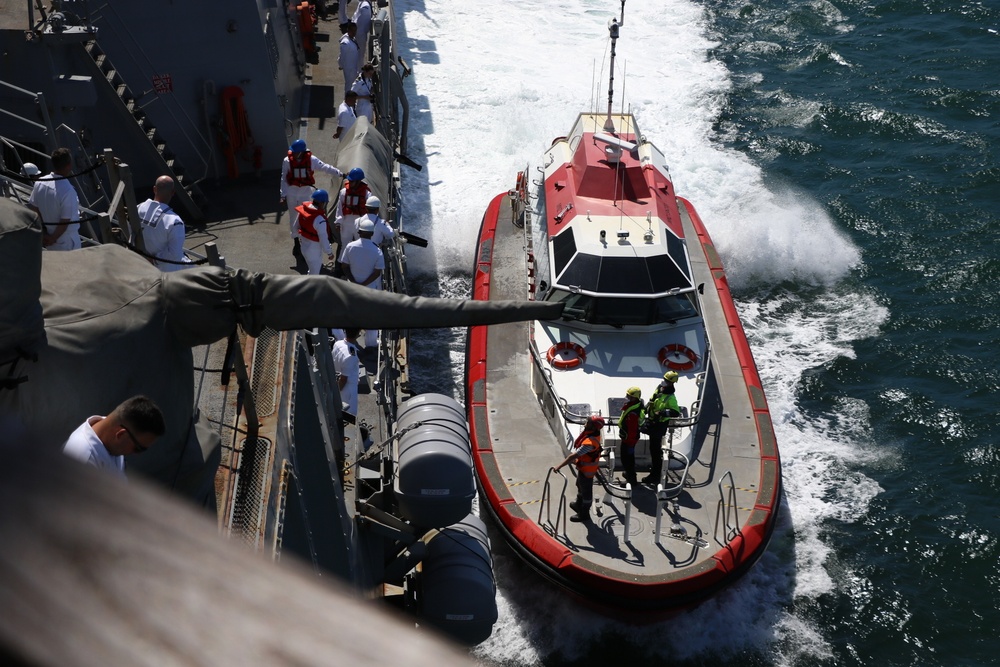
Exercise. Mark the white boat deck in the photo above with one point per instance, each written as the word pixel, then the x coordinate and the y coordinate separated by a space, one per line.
pixel 525 448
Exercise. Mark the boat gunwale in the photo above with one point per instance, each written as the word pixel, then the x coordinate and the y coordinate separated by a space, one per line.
pixel 570 570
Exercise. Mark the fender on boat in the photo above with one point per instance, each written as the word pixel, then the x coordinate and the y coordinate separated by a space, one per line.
pixel 457 587
pixel 435 484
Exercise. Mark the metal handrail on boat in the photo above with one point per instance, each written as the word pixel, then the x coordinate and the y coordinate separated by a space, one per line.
pixel 613 490
pixel 665 494
pixel 727 510
pixel 545 505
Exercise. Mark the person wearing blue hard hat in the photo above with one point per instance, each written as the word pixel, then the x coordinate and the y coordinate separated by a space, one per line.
pixel 298 179
pixel 352 204
pixel 311 227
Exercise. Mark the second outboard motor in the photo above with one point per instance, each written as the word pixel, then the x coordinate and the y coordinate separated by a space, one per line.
pixel 436 484
pixel 457 589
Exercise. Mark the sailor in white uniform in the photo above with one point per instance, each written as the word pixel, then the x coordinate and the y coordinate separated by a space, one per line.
pixel 363 87
pixel 363 19
pixel 346 115
pixel 345 362
pixel 162 229
pixel 55 201
pixel 350 55
pixel 312 227
pixel 382 231
pixel 363 264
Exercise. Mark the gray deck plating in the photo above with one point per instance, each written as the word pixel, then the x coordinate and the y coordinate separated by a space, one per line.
pixel 525 448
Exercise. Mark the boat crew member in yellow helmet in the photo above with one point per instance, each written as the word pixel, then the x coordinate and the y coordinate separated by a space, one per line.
pixel 628 430
pixel 662 406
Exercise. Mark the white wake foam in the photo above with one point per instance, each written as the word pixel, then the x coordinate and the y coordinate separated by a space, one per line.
pixel 494 82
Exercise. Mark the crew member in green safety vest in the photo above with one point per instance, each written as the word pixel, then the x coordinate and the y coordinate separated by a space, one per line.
pixel 661 407
pixel 628 430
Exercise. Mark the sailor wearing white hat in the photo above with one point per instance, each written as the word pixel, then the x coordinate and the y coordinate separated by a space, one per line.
pixel 382 231
pixel 363 264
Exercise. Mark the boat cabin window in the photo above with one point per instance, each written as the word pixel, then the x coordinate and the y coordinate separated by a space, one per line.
pixel 619 311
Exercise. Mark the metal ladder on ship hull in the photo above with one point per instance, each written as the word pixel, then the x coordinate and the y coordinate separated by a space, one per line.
pixel 184 195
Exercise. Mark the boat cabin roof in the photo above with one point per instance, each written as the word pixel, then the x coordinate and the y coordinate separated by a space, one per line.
pixel 612 213
pixel 619 265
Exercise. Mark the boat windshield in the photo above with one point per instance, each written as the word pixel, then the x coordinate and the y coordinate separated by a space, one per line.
pixel 620 311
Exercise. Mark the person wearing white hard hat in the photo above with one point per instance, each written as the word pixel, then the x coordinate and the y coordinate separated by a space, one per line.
pixel 363 263
pixel 30 170
pixel 382 231
pixel 55 201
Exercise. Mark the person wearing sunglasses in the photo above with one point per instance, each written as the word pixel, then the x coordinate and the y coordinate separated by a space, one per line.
pixel 104 442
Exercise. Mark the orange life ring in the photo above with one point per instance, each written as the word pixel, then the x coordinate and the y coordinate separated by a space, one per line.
pixel 557 360
pixel 678 357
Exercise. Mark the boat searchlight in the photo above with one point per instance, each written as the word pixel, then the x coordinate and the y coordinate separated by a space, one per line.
pixel 622 237
pixel 613 147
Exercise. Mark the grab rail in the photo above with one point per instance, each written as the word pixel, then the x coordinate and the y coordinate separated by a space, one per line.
pixel 664 494
pixel 545 506
pixel 727 510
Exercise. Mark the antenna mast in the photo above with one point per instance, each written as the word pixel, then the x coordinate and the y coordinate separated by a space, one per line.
pixel 613 26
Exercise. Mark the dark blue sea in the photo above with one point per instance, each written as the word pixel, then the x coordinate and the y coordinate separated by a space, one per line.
pixel 845 155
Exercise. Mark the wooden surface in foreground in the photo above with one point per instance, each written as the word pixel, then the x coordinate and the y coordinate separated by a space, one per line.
pixel 94 571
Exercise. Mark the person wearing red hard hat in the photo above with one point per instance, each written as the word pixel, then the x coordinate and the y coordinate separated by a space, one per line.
pixel 585 455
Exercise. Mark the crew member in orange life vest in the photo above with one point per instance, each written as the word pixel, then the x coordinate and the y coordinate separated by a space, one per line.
pixel 586 455
pixel 298 179
pixel 351 203
pixel 311 226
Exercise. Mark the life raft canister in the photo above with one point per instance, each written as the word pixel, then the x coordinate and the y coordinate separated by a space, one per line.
pixel 565 355
pixel 678 357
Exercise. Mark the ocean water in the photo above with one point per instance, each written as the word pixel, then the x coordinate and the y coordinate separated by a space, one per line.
pixel 845 156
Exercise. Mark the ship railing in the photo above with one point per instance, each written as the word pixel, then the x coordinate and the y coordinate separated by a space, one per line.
pixel 391 106
pixel 11 187
pixel 391 379
pixel 53 137
pixel 727 513
pixel 606 476
pixel 545 506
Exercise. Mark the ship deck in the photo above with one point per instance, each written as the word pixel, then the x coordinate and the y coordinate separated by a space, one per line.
pixel 524 450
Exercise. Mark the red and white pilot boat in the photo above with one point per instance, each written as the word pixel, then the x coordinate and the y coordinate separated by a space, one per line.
pixel 603 232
